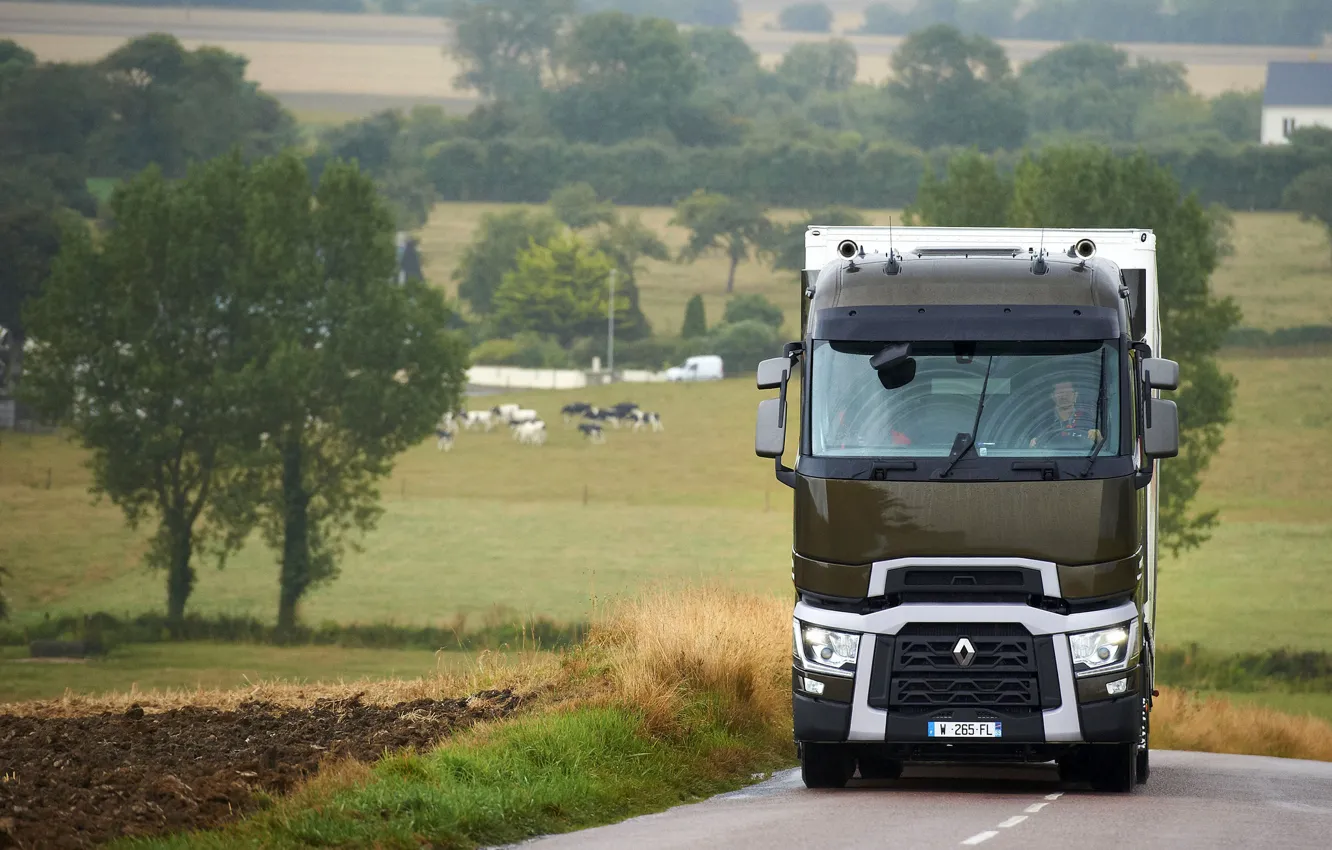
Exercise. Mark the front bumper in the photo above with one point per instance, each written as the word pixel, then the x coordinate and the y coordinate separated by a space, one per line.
pixel 1069 710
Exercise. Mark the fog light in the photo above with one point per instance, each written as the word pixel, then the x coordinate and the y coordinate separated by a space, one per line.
pixel 1118 686
pixel 816 688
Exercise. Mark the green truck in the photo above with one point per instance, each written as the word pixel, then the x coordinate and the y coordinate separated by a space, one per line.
pixel 976 429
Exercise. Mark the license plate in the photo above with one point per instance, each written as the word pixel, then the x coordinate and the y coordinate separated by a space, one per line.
pixel 941 729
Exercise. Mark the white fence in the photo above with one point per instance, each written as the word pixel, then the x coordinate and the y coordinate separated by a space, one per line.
pixel 515 377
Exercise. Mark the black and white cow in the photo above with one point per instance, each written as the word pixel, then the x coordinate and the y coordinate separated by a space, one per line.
pixel 444 439
pixel 577 408
pixel 649 418
pixel 593 432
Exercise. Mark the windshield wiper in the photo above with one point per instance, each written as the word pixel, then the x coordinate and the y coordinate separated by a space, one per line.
pixel 975 426
pixel 1100 426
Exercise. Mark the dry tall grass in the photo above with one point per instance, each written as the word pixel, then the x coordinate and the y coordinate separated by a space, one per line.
pixel 673 653
pixel 1184 721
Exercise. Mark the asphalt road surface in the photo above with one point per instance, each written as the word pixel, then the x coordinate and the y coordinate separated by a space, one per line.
pixel 1193 800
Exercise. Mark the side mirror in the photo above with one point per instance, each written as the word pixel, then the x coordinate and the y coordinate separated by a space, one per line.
pixel 772 372
pixel 769 431
pixel 1160 374
pixel 1161 437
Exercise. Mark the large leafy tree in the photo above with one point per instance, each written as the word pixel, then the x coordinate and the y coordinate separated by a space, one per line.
pixel 559 288
pixel 957 89
pixel 734 227
pixel 494 252
pixel 1310 194
pixel 972 194
pixel 1095 88
pixel 142 354
pixel 353 366
pixel 505 46
pixel 829 66
pixel 622 77
pixel 171 106
pixel 628 242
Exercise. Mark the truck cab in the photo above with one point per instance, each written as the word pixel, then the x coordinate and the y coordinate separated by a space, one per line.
pixel 977 429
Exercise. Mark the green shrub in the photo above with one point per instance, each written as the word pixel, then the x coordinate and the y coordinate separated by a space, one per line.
pixel 743 344
pixel 695 319
pixel 743 308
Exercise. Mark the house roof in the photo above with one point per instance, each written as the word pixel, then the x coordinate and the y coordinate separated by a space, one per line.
pixel 1298 84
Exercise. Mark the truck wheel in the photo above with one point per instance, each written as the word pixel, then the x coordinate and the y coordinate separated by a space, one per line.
pixel 825 765
pixel 873 767
pixel 1114 767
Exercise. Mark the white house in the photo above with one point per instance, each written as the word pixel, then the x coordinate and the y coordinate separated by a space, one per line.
pixel 1298 94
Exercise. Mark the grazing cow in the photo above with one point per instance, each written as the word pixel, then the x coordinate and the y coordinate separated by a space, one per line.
pixel 473 418
pixel 505 411
pixel 530 433
pixel 444 442
pixel 523 415
pixel 577 408
pixel 593 432
pixel 644 417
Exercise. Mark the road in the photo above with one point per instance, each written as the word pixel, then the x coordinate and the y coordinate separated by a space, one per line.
pixel 1194 800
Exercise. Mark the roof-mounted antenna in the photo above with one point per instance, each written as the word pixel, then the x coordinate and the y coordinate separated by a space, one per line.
pixel 892 266
pixel 1039 266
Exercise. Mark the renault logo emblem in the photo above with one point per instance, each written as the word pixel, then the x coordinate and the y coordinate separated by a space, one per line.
pixel 963 652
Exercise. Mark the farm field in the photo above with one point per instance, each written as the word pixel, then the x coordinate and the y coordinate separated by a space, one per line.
pixel 495 527
pixel 374 61
pixel 212 666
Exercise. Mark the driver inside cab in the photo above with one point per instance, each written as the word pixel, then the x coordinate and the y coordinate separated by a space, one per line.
pixel 1068 421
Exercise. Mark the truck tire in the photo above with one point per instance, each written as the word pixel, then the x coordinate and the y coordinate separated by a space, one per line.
pixel 873 767
pixel 1114 767
pixel 826 765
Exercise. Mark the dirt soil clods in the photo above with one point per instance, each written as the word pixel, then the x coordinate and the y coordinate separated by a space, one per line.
pixel 80 781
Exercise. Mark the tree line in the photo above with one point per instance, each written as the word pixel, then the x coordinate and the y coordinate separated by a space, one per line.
pixel 1295 22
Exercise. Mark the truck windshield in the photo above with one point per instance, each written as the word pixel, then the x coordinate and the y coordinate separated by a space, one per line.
pixel 1041 400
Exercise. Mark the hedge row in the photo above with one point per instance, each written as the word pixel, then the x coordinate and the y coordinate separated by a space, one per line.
pixel 800 174
pixel 1192 667
pixel 105 631
pixel 1279 338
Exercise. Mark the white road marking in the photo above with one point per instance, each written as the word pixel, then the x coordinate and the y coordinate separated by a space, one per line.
pixel 1034 808
pixel 1054 796
pixel 979 837
pixel 1013 821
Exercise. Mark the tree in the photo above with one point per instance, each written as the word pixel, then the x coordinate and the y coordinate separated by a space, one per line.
pixel 504 46
pixel 743 344
pixel 1095 88
pixel 171 106
pixel 142 352
pixel 622 76
pixel 753 307
pixel 4 602
pixel 14 62
pixel 806 17
pixel 1238 115
pixel 786 242
pixel 972 194
pixel 559 288
pixel 494 251
pixel 627 241
pixel 830 66
pixel 353 366
pixel 29 240
pixel 957 90
pixel 722 55
pixel 1310 194
pixel 695 319
pixel 1136 192
pixel 719 223
pixel 577 205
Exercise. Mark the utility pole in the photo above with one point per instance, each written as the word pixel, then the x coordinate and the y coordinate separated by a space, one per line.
pixel 610 325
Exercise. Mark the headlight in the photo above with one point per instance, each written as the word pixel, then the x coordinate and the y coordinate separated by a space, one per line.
pixel 1104 650
pixel 817 648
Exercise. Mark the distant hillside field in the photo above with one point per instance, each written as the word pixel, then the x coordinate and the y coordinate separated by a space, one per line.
pixel 351 65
